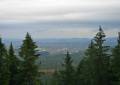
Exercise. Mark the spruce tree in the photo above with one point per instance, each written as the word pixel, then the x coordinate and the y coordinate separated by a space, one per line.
pixel 80 73
pixel 116 62
pixel 13 66
pixel 96 67
pixel 102 59
pixel 4 65
pixel 67 75
pixel 29 69
pixel 86 67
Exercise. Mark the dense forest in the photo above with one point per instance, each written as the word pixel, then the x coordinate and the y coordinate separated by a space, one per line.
pixel 100 65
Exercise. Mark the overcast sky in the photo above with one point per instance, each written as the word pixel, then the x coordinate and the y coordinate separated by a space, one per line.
pixel 58 18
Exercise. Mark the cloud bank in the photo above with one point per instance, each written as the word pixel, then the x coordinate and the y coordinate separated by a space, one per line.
pixel 59 10
pixel 52 18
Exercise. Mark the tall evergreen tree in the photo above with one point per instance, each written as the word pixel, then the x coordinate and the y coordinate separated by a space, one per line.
pixel 67 76
pixel 102 70
pixel 86 67
pixel 13 66
pixel 116 62
pixel 4 65
pixel 102 59
pixel 29 72
pixel 80 73
pixel 96 68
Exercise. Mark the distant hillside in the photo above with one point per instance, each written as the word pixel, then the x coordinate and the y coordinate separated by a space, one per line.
pixel 54 61
pixel 53 50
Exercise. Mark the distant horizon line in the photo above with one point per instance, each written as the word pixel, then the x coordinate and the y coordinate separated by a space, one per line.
pixel 52 38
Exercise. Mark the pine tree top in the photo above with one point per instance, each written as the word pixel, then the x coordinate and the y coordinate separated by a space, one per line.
pixel 101 33
pixel 28 48
pixel 11 50
pixel 11 46
pixel 100 28
pixel 28 35
pixel 68 58
pixel 100 36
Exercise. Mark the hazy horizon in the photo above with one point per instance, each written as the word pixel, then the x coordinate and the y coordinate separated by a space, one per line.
pixel 45 19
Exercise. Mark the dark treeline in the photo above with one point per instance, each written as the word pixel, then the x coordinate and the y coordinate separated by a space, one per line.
pixel 99 66
pixel 22 69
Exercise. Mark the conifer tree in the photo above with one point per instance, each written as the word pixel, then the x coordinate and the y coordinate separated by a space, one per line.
pixel 102 59
pixel 116 62
pixel 80 73
pixel 67 75
pixel 96 69
pixel 86 67
pixel 29 69
pixel 4 65
pixel 13 66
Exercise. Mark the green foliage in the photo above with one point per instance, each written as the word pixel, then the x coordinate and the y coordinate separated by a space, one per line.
pixel 29 69
pixel 13 66
pixel 96 66
pixel 4 65
pixel 116 62
pixel 55 78
pixel 102 59
pixel 80 72
pixel 67 75
pixel 87 67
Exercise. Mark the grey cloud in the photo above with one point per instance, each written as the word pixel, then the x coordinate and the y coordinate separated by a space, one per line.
pixel 49 18
pixel 59 10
